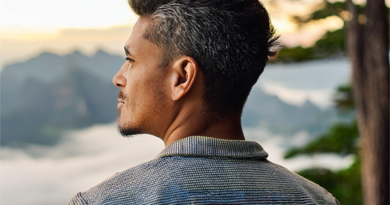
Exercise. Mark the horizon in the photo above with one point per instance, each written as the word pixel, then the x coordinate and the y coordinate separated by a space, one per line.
pixel 29 29
pixel 317 89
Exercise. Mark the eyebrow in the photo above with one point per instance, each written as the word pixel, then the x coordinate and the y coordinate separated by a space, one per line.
pixel 127 51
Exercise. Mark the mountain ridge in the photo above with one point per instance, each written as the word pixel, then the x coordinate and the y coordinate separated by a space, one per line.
pixel 49 93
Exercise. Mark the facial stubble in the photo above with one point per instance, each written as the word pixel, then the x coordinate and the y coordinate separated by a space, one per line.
pixel 124 127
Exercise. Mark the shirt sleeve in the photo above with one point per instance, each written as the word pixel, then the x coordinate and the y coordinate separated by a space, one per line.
pixel 77 200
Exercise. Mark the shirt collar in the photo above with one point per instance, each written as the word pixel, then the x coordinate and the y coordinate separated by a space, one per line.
pixel 202 146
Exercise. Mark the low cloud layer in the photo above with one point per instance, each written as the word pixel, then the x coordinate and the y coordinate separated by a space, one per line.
pixel 316 81
pixel 52 175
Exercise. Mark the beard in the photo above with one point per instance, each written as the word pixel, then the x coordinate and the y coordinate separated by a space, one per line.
pixel 125 129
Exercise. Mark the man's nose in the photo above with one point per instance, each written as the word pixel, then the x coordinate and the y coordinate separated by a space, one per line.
pixel 119 79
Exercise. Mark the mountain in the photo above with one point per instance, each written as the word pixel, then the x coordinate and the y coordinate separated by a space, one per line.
pixel 268 111
pixel 77 99
pixel 48 94
pixel 47 67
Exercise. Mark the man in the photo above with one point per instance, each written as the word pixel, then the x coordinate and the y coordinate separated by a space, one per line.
pixel 190 67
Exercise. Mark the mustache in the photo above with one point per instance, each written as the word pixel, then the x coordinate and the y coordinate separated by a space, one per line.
pixel 121 95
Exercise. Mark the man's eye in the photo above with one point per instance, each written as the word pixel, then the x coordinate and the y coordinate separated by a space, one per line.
pixel 129 59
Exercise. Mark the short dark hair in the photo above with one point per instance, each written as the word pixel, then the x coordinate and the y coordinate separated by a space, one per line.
pixel 231 40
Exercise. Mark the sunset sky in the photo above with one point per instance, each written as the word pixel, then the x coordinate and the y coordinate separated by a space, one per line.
pixel 28 27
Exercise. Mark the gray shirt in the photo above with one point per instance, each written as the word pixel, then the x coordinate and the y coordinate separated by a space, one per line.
pixel 204 170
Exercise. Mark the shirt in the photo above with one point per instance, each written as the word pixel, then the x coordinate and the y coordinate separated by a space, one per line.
pixel 205 170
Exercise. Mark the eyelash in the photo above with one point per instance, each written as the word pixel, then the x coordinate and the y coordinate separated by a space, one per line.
pixel 129 59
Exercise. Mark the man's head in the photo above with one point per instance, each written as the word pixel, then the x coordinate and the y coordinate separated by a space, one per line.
pixel 209 51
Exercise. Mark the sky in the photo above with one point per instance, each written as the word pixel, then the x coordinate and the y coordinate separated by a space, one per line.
pixel 29 27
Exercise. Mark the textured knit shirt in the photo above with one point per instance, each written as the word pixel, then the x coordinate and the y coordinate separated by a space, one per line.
pixel 204 170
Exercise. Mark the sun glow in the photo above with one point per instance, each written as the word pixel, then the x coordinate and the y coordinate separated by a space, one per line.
pixel 30 27
pixel 47 15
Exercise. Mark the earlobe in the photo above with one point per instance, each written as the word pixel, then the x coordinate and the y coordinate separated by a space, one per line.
pixel 183 77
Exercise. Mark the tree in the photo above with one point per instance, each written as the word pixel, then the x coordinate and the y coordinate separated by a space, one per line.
pixel 367 47
pixel 332 43
pixel 341 139
pixel 366 39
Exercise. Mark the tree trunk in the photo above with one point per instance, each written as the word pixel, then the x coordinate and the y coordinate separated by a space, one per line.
pixel 368 51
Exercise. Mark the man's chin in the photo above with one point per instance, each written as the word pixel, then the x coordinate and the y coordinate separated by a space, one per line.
pixel 125 129
pixel 128 131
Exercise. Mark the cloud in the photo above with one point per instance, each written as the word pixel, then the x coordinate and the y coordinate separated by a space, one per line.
pixel 316 81
pixel 275 146
pixel 52 175
pixel 299 96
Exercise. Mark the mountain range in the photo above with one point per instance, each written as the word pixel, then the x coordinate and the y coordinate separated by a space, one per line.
pixel 49 93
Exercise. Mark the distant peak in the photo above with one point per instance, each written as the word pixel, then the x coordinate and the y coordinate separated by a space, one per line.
pixel 308 103
pixel 101 53
pixel 76 52
pixel 47 54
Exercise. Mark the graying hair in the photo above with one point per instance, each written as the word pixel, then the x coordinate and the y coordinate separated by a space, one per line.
pixel 230 40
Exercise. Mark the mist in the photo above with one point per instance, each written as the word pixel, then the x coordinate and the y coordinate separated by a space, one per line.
pixel 52 175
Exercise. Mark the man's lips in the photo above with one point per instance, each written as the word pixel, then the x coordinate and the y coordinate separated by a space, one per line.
pixel 120 103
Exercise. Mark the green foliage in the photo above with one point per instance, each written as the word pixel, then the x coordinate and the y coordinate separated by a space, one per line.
pixel 331 44
pixel 344 98
pixel 325 10
pixel 295 54
pixel 341 139
pixel 344 184
pixel 329 9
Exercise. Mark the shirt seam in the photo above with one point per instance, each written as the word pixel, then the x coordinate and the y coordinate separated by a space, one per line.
pixel 212 157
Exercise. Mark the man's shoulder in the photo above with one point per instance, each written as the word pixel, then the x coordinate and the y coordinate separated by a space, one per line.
pixel 124 182
pixel 308 189
pixel 178 178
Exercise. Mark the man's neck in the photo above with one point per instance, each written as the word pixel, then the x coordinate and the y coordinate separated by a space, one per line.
pixel 192 124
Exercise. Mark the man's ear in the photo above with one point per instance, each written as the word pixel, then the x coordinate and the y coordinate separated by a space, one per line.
pixel 183 76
